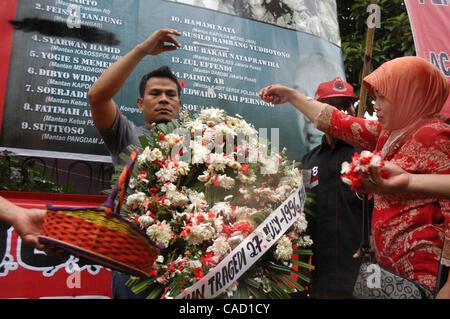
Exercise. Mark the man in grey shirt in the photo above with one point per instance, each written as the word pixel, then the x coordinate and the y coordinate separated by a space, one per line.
pixel 159 101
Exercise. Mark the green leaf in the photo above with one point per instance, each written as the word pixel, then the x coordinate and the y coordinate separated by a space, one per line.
pixel 156 293
pixel 257 293
pixel 303 264
pixel 137 288
pixel 277 292
pixel 144 141
pixel 293 282
pixel 301 276
pixel 307 252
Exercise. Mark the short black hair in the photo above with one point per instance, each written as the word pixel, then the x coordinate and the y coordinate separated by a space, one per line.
pixel 162 72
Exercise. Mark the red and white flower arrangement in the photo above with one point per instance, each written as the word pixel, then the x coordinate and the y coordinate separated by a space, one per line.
pixel 199 207
pixel 353 173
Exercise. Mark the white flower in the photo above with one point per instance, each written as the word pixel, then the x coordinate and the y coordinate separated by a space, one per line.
pixel 225 181
pixel 195 264
pixel 198 202
pixel 168 173
pixel 246 129
pixel 170 140
pixel 150 155
pixel 205 177
pixel 199 152
pixel 195 126
pixel 168 187
pixel 301 224
pixel 160 233
pixel 199 233
pixel 132 183
pixel 292 177
pixel 134 200
pixel 248 179
pixel 225 131
pixel 284 249
pixel 145 221
pixel 217 162
pixel 160 259
pixel 346 180
pixel 376 161
pixel 177 198
pixel 305 241
pixel 235 239
pixel 219 247
pixel 245 193
pixel 345 168
pixel 231 289
pixel 222 208
pixel 212 115
pixel 183 168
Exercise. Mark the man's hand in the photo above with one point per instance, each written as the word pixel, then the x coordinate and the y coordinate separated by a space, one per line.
pixel 160 41
pixel 28 223
pixel 276 94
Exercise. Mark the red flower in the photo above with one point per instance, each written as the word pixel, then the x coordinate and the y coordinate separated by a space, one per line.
pixel 153 273
pixel 245 168
pixel 207 259
pixel 211 215
pixel 162 137
pixel 200 219
pixel 171 267
pixel 243 226
pixel 154 190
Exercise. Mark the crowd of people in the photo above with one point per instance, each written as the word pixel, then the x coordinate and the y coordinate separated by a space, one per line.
pixel 411 205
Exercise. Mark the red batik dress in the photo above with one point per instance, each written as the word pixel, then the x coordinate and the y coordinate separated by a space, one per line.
pixel 408 229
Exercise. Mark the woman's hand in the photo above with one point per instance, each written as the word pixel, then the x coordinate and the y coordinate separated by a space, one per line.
pixel 386 180
pixel 276 94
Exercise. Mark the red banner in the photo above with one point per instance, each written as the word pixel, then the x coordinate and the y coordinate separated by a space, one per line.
pixel 26 272
pixel 430 26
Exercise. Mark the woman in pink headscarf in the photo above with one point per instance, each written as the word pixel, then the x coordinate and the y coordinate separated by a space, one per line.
pixel 409 230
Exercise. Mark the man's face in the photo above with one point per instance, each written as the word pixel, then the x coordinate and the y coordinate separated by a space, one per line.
pixel 160 102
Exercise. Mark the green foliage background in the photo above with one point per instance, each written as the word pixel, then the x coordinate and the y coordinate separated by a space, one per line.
pixel 393 39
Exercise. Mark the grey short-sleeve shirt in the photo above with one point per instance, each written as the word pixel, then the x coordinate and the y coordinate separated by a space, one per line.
pixel 122 133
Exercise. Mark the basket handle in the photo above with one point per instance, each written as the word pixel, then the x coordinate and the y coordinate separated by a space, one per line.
pixel 121 187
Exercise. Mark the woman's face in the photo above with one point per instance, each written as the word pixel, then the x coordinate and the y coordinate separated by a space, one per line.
pixel 383 109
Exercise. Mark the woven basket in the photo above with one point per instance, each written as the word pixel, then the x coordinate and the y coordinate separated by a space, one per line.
pixel 101 234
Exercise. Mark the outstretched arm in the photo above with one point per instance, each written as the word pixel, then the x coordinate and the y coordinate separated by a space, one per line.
pixel 26 222
pixel 352 130
pixel 100 95
pixel 279 94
